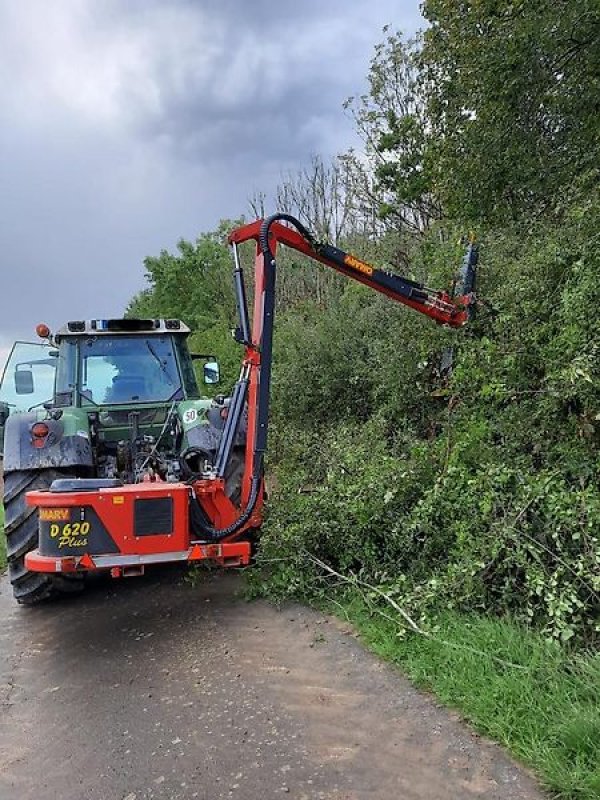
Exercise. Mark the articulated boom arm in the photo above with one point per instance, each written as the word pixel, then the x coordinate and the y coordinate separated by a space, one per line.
pixel 254 384
pixel 439 305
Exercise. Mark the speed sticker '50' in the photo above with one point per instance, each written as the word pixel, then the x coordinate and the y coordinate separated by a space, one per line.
pixel 189 416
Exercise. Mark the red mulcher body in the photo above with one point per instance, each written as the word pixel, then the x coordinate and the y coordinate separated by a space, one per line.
pixel 99 524
pixel 126 528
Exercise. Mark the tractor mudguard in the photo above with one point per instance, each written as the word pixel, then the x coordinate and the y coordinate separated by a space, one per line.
pixel 207 437
pixel 57 450
pixel 218 423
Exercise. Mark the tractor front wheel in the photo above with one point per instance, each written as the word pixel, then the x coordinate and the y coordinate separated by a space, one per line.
pixel 21 530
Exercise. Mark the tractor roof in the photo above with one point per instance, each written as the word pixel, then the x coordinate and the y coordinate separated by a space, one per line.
pixel 102 327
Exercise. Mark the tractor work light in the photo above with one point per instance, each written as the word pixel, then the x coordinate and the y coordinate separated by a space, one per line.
pixel 128 325
pixel 42 330
pixel 101 326
pixel 123 325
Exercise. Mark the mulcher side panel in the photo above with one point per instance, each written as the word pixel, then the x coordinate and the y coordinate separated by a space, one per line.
pixel 134 519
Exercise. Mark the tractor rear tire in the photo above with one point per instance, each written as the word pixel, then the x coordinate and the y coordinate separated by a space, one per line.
pixel 21 530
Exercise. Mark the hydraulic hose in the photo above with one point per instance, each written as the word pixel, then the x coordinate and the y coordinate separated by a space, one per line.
pixel 216 534
pixel 263 236
pixel 262 411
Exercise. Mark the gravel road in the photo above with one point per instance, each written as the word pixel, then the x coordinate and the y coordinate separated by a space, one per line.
pixel 152 689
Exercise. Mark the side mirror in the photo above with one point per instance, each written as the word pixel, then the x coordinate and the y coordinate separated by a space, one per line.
pixel 24 381
pixel 211 373
pixel 4 412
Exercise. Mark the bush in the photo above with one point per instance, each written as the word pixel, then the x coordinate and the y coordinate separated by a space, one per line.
pixel 475 488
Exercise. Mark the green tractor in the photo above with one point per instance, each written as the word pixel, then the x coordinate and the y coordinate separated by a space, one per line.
pixel 110 402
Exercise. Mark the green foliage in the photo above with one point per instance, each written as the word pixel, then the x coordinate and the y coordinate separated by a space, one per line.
pixel 195 285
pixel 476 489
pixel 492 114
pixel 512 91
pixel 190 285
pixel 392 120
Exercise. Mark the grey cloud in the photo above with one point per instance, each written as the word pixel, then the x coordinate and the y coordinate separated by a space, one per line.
pixel 124 126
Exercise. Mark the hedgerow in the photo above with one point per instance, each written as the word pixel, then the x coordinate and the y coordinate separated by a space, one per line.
pixel 474 488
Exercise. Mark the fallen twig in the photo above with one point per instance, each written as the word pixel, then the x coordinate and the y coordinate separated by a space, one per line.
pixel 356 582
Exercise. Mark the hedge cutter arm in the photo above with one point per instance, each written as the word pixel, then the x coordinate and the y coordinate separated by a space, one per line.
pixel 122 525
pixel 254 385
pixel 454 309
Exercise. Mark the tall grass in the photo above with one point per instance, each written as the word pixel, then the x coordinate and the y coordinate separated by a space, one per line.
pixel 547 715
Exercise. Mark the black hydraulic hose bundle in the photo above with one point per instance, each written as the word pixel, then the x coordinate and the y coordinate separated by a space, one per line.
pixel 263 236
pixel 198 517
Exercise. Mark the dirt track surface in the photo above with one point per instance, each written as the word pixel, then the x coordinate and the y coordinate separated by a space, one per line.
pixel 150 689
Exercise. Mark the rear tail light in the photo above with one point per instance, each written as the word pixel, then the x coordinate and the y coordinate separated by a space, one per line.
pixel 39 433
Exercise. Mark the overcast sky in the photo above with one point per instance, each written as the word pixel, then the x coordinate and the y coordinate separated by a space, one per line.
pixel 128 124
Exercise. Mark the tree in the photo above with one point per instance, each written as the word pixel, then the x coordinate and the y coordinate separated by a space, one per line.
pixel 512 96
pixel 392 122
pixel 326 196
pixel 192 285
pixel 195 285
pixel 490 114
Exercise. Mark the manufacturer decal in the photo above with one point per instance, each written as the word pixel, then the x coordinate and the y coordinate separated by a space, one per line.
pixel 70 535
pixel 358 265
pixel 55 514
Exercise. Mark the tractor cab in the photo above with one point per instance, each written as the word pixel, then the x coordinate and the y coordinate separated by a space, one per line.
pixel 123 362
pixel 104 362
pixel 100 364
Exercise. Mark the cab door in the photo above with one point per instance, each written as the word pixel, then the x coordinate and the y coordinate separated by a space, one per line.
pixel 27 379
